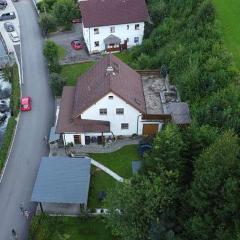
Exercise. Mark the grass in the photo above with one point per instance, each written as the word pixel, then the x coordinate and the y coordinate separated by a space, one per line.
pixel 124 56
pixel 100 181
pixel 71 228
pixel 12 75
pixel 119 161
pixel 73 71
pixel 61 52
pixel 228 16
pixel 7 141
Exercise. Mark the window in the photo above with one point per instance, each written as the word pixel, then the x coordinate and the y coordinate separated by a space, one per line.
pixel 136 26
pixel 136 40
pixel 103 111
pixel 127 27
pixel 124 126
pixel 110 97
pixel 96 30
pixel 127 39
pixel 96 44
pixel 120 111
pixel 112 29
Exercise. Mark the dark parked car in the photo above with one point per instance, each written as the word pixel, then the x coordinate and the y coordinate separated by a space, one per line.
pixel 3 4
pixel 7 16
pixel 9 27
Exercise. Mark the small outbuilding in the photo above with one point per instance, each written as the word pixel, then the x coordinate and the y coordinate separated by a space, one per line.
pixel 62 185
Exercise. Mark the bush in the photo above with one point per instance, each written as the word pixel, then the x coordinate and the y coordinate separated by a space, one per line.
pixel 48 23
pixel 57 82
pixel 50 51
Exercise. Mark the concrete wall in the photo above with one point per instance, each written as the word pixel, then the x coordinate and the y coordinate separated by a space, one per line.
pixel 121 31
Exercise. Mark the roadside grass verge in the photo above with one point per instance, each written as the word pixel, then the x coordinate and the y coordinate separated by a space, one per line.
pixel 228 16
pixel 44 227
pixel 72 72
pixel 7 141
pixel 119 161
pixel 10 73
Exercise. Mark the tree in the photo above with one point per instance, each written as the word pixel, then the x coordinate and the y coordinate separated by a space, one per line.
pixel 214 194
pixel 48 23
pixel 65 11
pixel 146 205
pixel 50 51
pixel 57 82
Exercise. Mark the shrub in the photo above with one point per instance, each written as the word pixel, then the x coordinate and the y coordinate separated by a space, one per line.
pixel 57 82
pixel 48 23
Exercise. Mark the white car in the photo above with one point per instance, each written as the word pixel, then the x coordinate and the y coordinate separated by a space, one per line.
pixel 14 36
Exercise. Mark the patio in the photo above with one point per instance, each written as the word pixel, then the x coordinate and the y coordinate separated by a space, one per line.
pixel 79 149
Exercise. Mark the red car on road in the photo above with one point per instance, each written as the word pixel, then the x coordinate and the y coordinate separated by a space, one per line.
pixel 26 104
pixel 77 45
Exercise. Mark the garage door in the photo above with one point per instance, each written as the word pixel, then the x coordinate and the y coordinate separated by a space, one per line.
pixel 150 129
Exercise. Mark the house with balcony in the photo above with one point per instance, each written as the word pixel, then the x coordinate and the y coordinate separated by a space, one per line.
pixel 113 25
pixel 112 100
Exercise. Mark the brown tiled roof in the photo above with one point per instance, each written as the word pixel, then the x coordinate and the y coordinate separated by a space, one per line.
pixel 110 12
pixel 66 124
pixel 98 82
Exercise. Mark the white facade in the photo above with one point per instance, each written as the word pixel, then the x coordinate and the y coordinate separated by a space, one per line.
pixel 111 102
pixel 94 36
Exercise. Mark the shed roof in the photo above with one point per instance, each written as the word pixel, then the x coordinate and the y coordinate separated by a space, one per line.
pixel 180 112
pixel 62 180
pixel 111 12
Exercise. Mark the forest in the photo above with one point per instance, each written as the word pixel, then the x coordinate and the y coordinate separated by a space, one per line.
pixel 188 186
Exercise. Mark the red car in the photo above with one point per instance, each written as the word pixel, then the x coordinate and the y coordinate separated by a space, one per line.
pixel 26 104
pixel 77 45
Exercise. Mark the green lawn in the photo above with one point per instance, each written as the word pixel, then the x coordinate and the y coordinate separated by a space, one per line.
pixel 119 161
pixel 73 71
pixel 69 228
pixel 228 15
pixel 100 181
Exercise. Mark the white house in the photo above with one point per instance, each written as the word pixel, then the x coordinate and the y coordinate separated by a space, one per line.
pixel 113 25
pixel 108 100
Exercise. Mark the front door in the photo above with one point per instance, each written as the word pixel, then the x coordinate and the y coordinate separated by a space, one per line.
pixel 77 139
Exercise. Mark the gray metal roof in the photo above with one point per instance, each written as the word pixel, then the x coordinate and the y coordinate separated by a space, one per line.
pixel 180 112
pixel 53 136
pixel 62 180
pixel 112 39
pixel 136 165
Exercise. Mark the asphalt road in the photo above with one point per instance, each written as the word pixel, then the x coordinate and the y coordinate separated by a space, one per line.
pixel 29 145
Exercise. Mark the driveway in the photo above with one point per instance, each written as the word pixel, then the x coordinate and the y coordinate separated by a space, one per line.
pixel 64 39
pixel 29 146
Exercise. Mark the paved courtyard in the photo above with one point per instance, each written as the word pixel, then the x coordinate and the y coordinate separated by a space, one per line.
pixel 64 39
